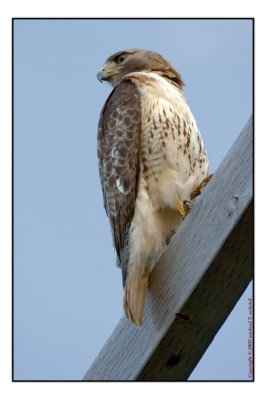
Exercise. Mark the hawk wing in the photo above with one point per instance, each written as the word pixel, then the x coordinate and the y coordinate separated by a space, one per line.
pixel 118 153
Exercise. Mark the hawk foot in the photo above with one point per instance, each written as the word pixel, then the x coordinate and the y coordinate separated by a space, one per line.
pixel 183 207
pixel 196 192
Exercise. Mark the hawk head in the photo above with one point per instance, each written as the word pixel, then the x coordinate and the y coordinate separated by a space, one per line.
pixel 125 62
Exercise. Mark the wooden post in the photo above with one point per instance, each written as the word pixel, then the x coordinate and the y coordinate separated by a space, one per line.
pixel 195 284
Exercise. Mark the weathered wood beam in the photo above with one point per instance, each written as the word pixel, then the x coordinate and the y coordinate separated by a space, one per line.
pixel 195 284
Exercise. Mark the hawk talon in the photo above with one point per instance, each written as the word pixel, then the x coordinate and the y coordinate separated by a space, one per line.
pixel 188 203
pixel 169 236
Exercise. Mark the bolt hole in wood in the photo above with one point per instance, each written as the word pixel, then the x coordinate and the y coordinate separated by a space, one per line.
pixel 182 317
pixel 232 205
pixel 172 361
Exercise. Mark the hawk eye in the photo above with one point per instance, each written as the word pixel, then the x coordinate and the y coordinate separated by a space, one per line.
pixel 120 58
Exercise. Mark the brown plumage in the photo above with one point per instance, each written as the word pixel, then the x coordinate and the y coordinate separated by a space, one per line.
pixel 151 157
pixel 118 154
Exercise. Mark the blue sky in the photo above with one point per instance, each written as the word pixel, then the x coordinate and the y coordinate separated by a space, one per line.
pixel 67 290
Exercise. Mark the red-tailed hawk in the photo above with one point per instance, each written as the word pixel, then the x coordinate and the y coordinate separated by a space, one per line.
pixel 151 158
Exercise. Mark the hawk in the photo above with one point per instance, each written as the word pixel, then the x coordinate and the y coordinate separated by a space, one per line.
pixel 152 161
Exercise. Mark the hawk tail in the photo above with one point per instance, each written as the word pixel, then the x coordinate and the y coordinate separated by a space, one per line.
pixel 134 297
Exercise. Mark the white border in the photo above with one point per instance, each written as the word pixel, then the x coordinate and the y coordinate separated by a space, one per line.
pixel 78 8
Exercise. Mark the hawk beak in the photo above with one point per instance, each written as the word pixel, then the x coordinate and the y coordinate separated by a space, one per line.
pixel 103 75
pixel 100 76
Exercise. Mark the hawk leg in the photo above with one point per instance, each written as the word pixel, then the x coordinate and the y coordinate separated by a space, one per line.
pixel 197 191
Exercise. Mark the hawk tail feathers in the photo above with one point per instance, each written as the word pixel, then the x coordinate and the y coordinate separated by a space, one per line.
pixel 134 297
